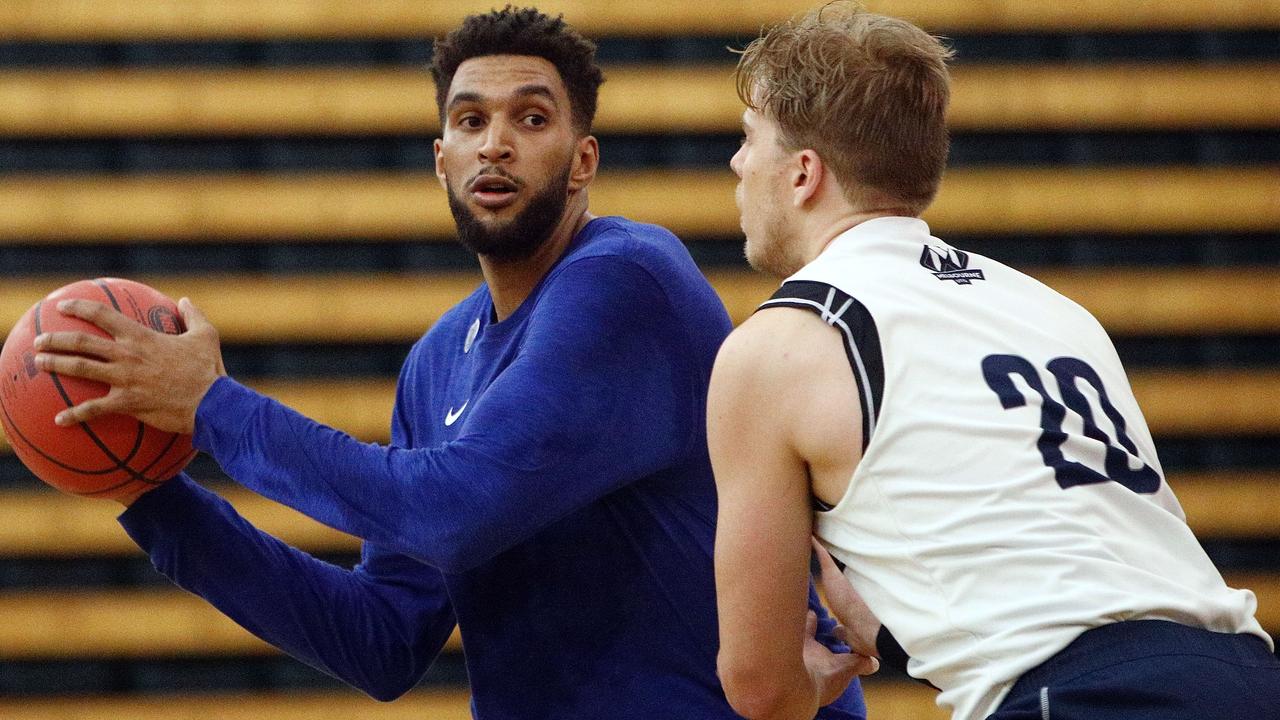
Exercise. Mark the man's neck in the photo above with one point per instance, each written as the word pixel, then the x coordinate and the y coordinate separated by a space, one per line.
pixel 828 231
pixel 511 282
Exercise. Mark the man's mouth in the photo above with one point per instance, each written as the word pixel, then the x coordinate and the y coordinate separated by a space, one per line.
pixel 493 191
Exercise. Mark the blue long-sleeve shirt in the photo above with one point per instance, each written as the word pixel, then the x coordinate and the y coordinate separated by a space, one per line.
pixel 547 489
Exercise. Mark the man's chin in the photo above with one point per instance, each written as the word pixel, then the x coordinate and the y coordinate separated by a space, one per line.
pixel 769 261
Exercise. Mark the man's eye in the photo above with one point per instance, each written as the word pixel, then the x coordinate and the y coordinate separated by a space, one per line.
pixel 535 120
pixel 470 121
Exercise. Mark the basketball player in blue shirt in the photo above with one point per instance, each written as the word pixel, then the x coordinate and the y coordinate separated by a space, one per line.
pixel 547 490
pixel 980 463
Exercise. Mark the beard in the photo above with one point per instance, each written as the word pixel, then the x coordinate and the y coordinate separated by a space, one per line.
pixel 520 237
pixel 773 252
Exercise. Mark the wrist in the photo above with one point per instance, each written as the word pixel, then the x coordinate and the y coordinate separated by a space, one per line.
pixel 129 498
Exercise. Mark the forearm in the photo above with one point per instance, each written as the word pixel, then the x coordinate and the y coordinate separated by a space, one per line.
pixel 414 501
pixel 453 506
pixel 326 616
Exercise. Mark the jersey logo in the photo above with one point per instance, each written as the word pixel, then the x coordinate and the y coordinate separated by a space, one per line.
pixel 949 264
pixel 451 417
pixel 472 332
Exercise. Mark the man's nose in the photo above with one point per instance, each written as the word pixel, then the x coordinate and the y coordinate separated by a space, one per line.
pixel 497 145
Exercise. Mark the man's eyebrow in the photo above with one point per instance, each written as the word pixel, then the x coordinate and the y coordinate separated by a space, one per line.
pixel 522 91
pixel 463 97
pixel 535 89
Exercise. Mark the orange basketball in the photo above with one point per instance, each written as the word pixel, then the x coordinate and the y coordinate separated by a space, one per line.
pixel 110 456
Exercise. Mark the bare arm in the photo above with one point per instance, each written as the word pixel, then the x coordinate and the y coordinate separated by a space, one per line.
pixel 769 409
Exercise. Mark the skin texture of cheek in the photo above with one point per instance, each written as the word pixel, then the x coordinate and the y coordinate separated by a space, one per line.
pixel 767 248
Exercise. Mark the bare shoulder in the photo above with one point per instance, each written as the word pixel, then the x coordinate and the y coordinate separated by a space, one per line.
pixel 779 342
pixel 783 377
pixel 785 336
pixel 781 359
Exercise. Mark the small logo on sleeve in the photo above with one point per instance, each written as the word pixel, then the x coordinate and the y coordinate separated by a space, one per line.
pixel 949 264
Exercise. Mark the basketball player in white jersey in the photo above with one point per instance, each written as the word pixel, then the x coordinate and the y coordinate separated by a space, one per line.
pixel 980 465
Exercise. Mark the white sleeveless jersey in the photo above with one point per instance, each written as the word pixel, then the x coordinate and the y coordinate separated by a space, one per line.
pixel 1009 496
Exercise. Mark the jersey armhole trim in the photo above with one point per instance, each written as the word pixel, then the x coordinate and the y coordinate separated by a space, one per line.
pixel 858 331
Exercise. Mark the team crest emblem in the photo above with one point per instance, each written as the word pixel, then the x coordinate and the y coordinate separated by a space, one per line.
pixel 949 264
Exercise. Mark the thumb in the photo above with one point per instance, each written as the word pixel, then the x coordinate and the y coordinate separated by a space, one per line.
pixel 825 562
pixel 834 585
pixel 191 315
pixel 864 664
pixel 204 331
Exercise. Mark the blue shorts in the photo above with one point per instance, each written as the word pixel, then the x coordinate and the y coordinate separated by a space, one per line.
pixel 1150 670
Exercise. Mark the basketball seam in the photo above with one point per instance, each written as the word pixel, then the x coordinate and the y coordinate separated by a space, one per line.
pixel 111 456
pixel 27 441
pixel 175 467
pixel 102 285
pixel 173 437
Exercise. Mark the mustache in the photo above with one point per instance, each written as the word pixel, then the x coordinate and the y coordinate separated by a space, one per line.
pixel 494 171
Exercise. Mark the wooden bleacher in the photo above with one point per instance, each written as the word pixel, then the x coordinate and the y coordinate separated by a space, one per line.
pixel 57 211
pixel 354 307
pixel 391 205
pixel 105 20
pixel 371 307
pixel 151 623
pixel 887 699
pixel 44 524
pixel 1173 401
pixel 315 705
pixel 634 99
pixel 172 623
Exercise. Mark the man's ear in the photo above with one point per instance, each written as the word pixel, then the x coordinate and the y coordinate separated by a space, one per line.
pixel 807 175
pixel 437 147
pixel 586 161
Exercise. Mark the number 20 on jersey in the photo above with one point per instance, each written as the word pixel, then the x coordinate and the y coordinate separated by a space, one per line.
pixel 999 370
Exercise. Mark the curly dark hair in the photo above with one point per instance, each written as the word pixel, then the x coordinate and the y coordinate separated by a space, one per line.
pixel 523 31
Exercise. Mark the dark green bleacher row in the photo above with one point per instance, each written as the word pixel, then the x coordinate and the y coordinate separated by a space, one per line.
pixel 1147 148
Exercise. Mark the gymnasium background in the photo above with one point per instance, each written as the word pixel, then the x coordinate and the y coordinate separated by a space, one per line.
pixel 272 159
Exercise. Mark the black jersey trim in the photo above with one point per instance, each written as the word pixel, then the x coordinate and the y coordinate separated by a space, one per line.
pixel 861 339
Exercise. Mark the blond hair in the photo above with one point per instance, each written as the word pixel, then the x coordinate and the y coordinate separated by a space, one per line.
pixel 868 93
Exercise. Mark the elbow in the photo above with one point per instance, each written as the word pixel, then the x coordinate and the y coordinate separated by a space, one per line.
pixel 390 680
pixel 755 691
pixel 384 690
pixel 463 546
pixel 455 556
pixel 386 693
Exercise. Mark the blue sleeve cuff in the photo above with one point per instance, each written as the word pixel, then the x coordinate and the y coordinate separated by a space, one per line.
pixel 147 517
pixel 220 413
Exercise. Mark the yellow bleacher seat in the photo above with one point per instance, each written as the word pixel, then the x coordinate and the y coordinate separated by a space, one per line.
pixel 102 20
pixel 1173 401
pixel 385 205
pixel 442 704
pixel 373 307
pixel 900 700
pixel 170 622
pixel 44 523
pixel 635 99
